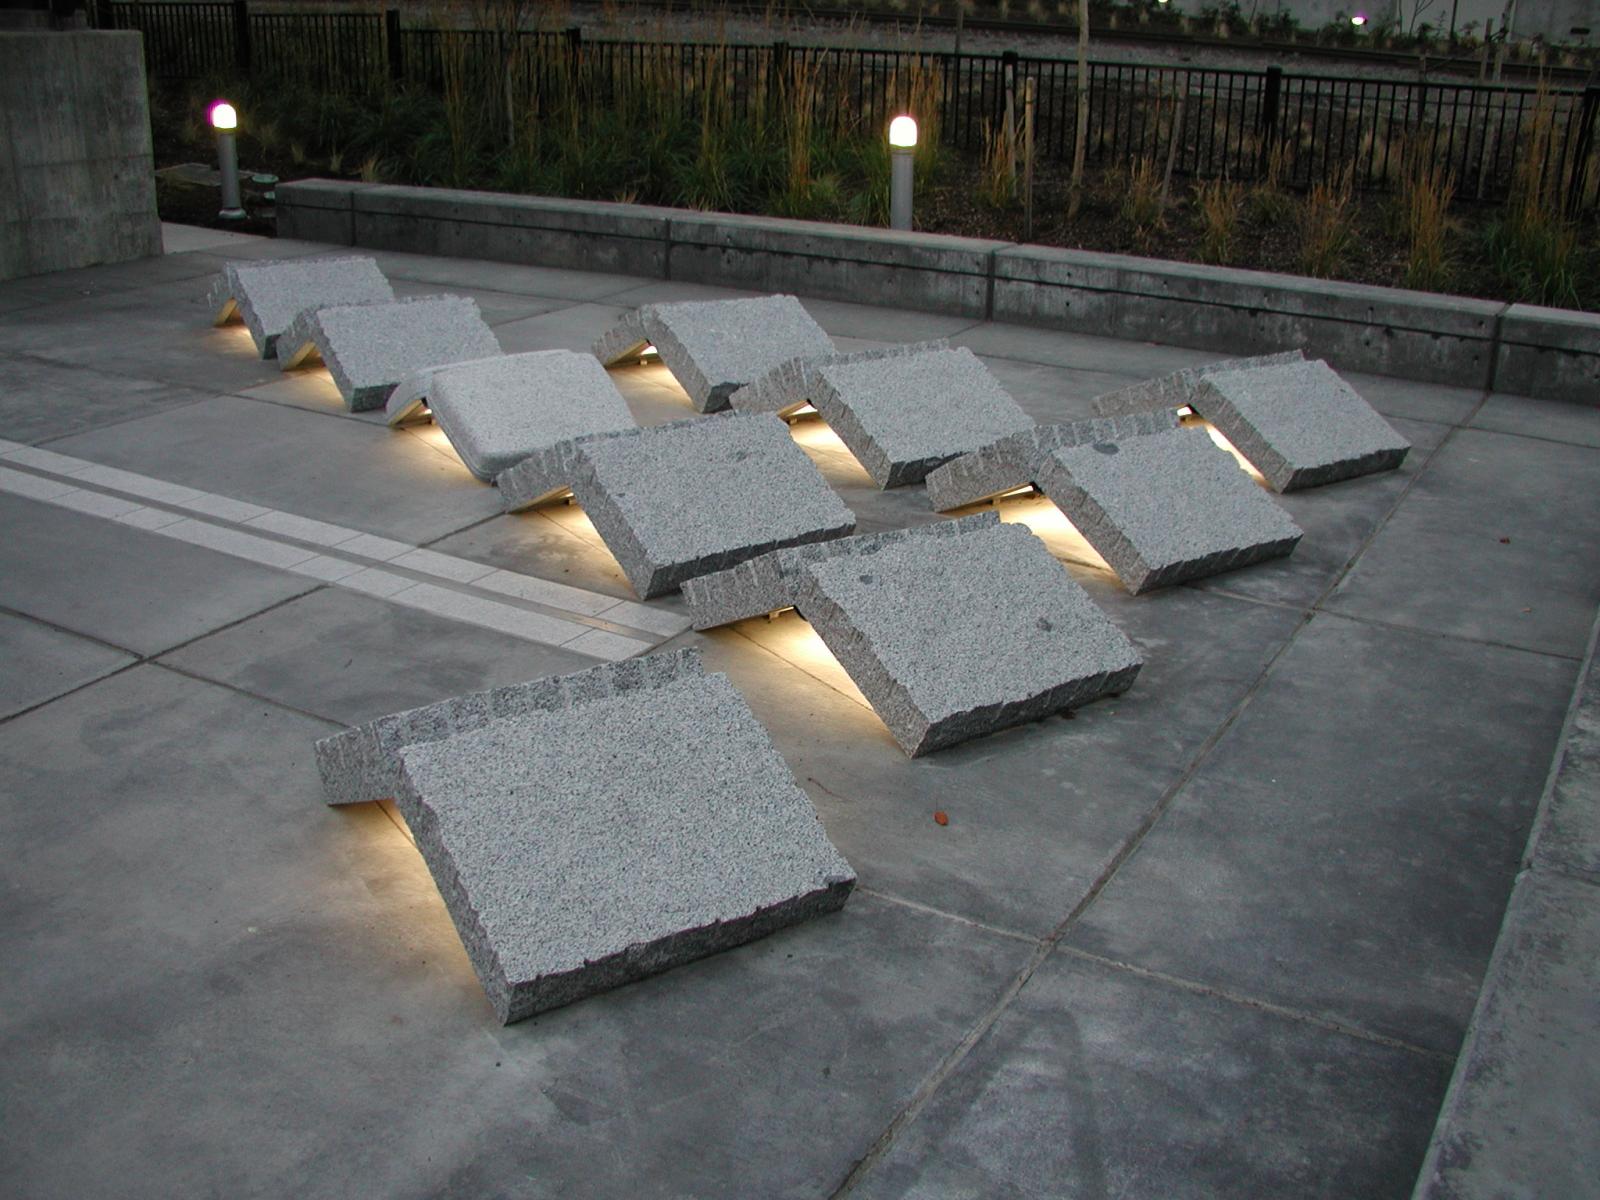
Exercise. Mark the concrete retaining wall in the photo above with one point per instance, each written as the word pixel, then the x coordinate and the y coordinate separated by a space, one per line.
pixel 1414 335
pixel 77 175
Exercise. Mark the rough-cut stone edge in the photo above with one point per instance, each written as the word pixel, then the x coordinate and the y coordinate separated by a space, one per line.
pixel 549 473
pixel 410 395
pixel 769 582
pixel 1014 461
pixel 306 335
pixel 1177 389
pixel 1281 475
pixel 645 327
pixel 226 299
pixel 518 1001
pixel 911 728
pixel 790 384
pixel 362 763
pixel 1136 574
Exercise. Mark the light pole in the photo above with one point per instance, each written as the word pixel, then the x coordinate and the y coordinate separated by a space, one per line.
pixel 902 147
pixel 225 120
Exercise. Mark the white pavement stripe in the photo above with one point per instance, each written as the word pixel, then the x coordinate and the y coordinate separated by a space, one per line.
pixel 267 550
pixel 600 643
pixel 137 485
pixel 240 545
pixel 46 460
pixel 329 570
pixel 34 487
pixel 543 591
pixel 444 566
pixel 368 546
pixel 208 504
pixel 376 583
pixel 151 518
pixel 650 620
pixel 302 529
pixel 491 614
pixel 96 504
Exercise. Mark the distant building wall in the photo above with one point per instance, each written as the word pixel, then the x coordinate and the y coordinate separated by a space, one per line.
pixel 77 173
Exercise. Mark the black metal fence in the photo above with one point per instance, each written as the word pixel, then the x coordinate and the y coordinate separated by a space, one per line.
pixel 1209 122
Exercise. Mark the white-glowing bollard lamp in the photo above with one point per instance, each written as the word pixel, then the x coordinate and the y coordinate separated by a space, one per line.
pixel 225 120
pixel 902 144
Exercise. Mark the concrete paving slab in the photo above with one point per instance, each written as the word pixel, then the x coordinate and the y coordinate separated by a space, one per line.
pixel 1078 351
pixel 1038 647
pixel 1099 1082
pixel 854 322
pixel 1578 424
pixel 790 386
pixel 1342 852
pixel 1483 510
pixel 44 400
pixel 268 295
pixel 565 879
pixel 496 308
pixel 1338 521
pixel 1523 1113
pixel 514 278
pixel 648 493
pixel 713 347
pixel 348 473
pixel 389 657
pixel 1165 507
pixel 368 348
pixel 43 663
pixel 1016 461
pixel 1299 424
pixel 498 411
pixel 568 328
pixel 115 583
pixel 1415 401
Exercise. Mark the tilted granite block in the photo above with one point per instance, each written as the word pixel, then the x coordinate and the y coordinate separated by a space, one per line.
pixel 1299 424
pixel 498 411
pixel 950 638
pixel 678 500
pixel 369 348
pixel 903 416
pixel 771 581
pixel 1012 462
pixel 592 844
pixel 363 763
pixel 790 385
pixel 1177 390
pixel 268 296
pixel 713 347
pixel 1165 507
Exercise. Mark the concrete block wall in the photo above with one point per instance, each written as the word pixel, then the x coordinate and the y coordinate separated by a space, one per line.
pixel 1413 335
pixel 77 172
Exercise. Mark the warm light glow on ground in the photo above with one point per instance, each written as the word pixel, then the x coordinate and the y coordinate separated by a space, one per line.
pixel 392 811
pixel 792 639
pixel 1051 526
pixel 832 456
pixel 1216 436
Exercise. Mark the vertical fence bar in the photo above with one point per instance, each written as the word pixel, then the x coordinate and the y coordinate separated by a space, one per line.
pixel 241 35
pixel 1584 147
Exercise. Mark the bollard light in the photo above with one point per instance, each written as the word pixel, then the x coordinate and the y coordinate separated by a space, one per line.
pixel 1359 20
pixel 225 119
pixel 902 141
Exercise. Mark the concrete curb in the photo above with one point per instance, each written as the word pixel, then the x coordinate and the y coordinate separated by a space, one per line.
pixel 1545 352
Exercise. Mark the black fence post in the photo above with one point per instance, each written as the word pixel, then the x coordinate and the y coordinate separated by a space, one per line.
pixel 1271 99
pixel 1584 145
pixel 241 35
pixel 395 45
pixel 778 78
